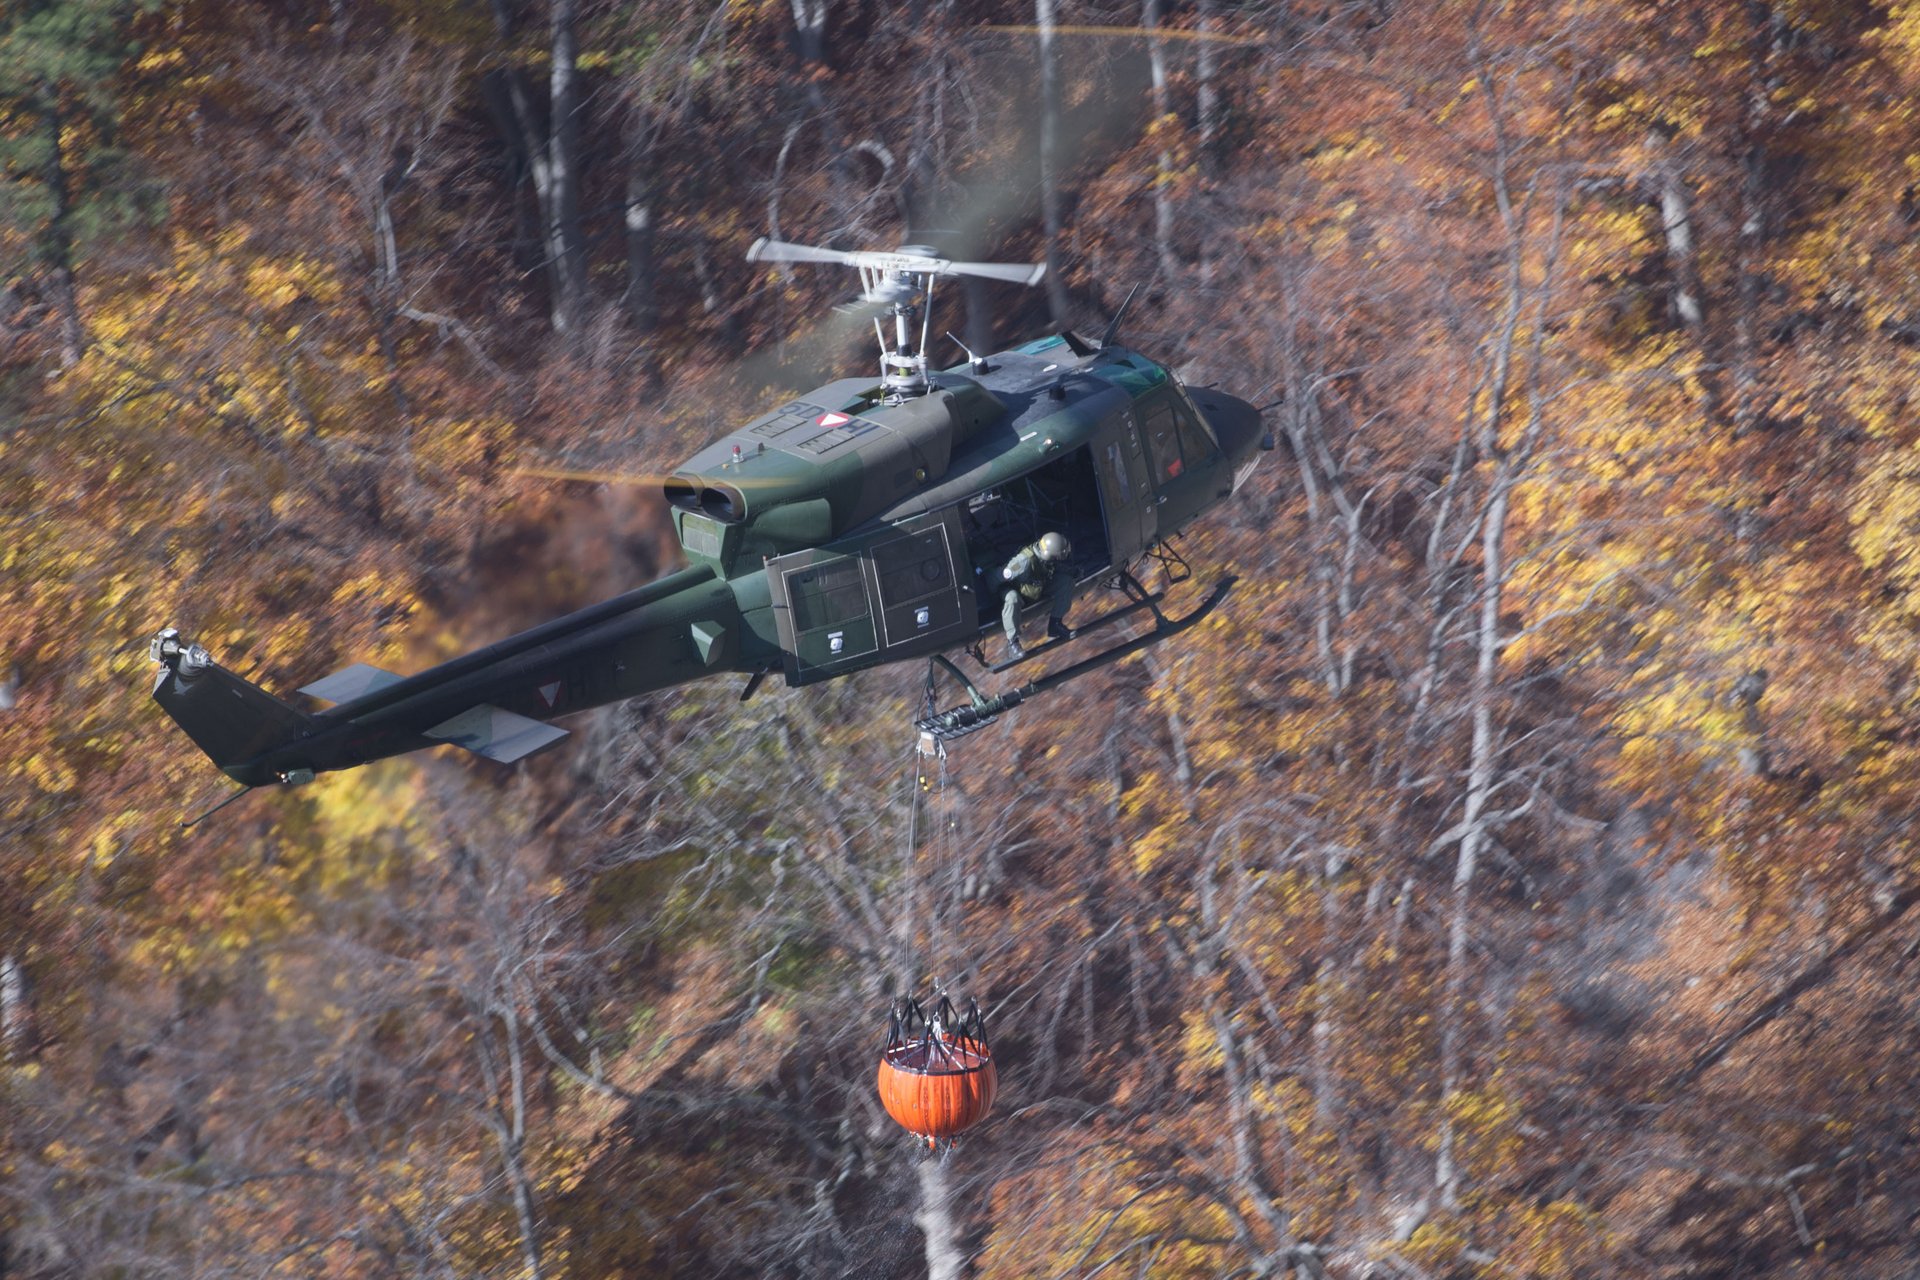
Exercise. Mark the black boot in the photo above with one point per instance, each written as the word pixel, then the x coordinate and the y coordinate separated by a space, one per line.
pixel 1057 629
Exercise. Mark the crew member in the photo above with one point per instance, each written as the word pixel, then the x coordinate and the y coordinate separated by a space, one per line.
pixel 1032 574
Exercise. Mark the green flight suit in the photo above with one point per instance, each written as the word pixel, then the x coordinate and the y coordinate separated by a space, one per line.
pixel 1028 578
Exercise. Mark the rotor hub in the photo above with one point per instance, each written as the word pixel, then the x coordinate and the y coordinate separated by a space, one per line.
pixel 184 658
pixel 901 283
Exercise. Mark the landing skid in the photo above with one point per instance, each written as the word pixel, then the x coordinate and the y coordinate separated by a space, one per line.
pixel 980 710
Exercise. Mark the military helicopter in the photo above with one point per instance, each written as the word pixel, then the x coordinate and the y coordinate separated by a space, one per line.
pixel 861 523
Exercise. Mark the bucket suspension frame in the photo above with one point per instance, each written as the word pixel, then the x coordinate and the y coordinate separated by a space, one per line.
pixel 911 1024
pixel 947 1068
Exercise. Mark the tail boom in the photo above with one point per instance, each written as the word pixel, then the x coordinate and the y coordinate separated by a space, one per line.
pixel 495 702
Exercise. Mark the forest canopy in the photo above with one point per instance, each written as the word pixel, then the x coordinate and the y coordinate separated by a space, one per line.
pixel 1515 876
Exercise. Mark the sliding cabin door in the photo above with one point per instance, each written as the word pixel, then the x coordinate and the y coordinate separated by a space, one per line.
pixel 1126 498
pixel 895 593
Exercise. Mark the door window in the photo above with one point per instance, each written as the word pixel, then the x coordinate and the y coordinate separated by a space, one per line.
pixel 827 595
pixel 1117 463
pixel 1163 441
pixel 917 592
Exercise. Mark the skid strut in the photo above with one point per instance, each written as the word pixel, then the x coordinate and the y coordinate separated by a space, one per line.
pixel 980 710
pixel 1138 598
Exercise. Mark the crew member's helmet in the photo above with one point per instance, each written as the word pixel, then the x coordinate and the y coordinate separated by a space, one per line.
pixel 1054 546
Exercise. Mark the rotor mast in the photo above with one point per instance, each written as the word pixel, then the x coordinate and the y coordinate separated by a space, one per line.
pixel 901 284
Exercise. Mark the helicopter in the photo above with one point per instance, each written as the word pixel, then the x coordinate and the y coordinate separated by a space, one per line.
pixel 863 522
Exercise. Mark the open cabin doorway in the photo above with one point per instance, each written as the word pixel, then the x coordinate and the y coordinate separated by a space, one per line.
pixel 1062 496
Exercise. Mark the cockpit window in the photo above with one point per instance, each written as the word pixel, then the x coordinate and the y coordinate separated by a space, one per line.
pixel 1163 439
pixel 1196 441
pixel 1177 436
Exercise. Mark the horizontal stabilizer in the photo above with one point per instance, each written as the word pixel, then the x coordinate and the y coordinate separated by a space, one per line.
pixel 496 734
pixel 353 682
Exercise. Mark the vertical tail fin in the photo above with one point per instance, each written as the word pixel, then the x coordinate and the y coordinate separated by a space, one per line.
pixel 232 721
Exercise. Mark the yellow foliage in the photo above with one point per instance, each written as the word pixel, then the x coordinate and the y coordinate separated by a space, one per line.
pixel 1148 805
pixel 370 822
pixel 110 837
pixel 1486 1128
pixel 1438 1243
pixel 51 772
pixel 1200 1048
pixel 1561 1239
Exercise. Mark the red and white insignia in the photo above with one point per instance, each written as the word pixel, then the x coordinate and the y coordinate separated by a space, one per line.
pixel 550 693
pixel 833 419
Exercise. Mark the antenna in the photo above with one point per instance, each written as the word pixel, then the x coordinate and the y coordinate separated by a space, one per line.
pixel 979 363
pixel 1113 325
pixel 902 284
pixel 240 794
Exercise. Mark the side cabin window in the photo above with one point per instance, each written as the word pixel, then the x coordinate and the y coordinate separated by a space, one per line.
pixel 1175 436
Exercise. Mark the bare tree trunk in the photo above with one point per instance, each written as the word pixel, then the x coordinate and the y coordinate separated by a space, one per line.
pixel 979 330
pixel 1327 980
pixel 1335 596
pixel 945 1258
pixel 1482 755
pixel 16 1010
pixel 1505 465
pixel 1052 213
pixel 924 193
pixel 1163 169
pixel 506 1116
pixel 1768 35
pixel 810 43
pixel 566 242
pixel 56 242
pixel 713 302
pixel 1176 732
pixel 1208 91
pixel 1676 220
pixel 1253 1199
pixel 552 157
pixel 642 295
pixel 810 31
pixel 1480 783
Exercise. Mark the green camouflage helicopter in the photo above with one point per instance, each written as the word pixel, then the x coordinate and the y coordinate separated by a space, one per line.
pixel 862 523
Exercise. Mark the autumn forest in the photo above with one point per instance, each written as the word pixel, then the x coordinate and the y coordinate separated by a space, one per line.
pixel 1514 877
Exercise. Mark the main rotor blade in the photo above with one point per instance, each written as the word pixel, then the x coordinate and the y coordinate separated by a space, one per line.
pixel 765 250
pixel 1126 33
pixel 620 477
pixel 972 217
pixel 1028 273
